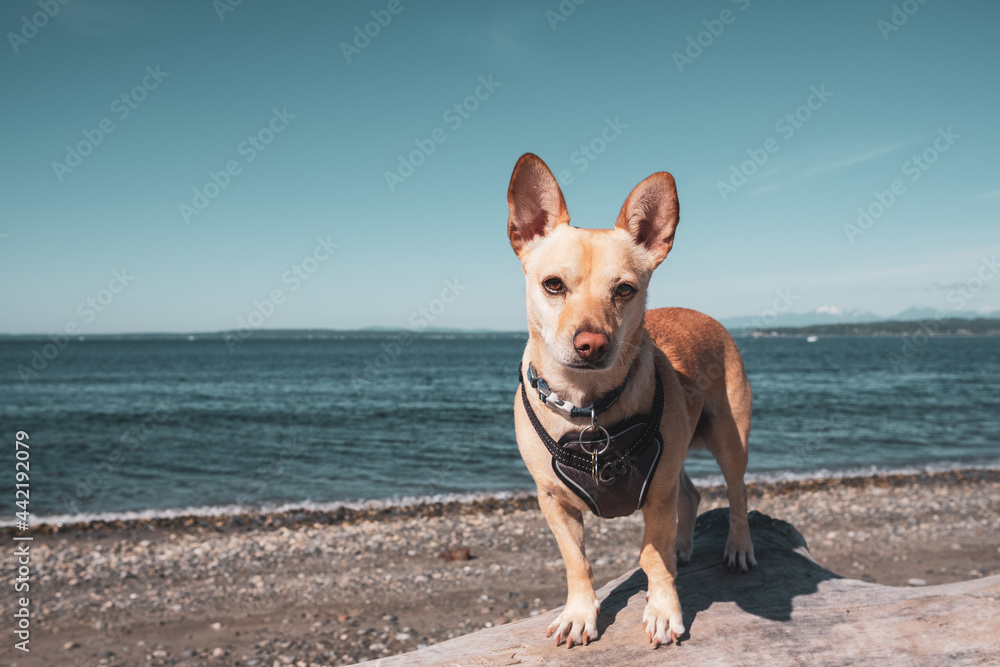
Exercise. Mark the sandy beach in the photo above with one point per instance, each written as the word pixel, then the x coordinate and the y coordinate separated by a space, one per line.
pixel 315 588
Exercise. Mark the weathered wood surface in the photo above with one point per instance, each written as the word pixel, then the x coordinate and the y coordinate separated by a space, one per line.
pixel 789 611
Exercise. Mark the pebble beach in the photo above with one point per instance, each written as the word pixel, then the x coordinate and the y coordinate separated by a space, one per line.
pixel 311 588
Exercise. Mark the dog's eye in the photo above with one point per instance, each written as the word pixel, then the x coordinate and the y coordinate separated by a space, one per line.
pixel 624 290
pixel 553 285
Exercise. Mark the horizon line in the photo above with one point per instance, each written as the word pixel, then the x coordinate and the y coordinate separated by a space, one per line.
pixel 376 329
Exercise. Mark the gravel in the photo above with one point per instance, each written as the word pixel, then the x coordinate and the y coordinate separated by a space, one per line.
pixel 315 588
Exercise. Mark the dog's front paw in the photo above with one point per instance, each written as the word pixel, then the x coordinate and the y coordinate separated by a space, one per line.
pixel 660 617
pixel 577 623
pixel 683 552
pixel 739 553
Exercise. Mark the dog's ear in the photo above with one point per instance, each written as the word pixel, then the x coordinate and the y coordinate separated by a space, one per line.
pixel 650 215
pixel 536 203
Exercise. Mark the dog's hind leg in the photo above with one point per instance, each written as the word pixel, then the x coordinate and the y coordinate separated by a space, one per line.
pixel 728 444
pixel 687 512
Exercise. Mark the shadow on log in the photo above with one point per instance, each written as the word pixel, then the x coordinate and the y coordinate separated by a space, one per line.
pixel 789 611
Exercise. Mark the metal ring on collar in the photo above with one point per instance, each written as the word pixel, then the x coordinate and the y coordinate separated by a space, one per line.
pixel 600 474
pixel 607 439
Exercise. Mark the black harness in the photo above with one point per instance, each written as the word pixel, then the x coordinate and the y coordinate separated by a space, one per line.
pixel 611 469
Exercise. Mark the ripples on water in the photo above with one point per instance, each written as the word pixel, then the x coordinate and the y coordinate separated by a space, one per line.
pixel 323 420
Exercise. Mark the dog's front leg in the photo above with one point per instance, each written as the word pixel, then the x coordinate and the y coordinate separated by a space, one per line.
pixel 578 621
pixel 658 561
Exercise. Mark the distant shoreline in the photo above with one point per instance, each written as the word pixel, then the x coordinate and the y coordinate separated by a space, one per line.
pixel 956 327
pixel 271 334
pixel 948 326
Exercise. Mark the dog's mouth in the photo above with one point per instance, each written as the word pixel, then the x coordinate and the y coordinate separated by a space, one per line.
pixel 602 364
pixel 588 366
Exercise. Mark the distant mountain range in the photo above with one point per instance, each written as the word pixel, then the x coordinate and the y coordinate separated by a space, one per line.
pixel 832 315
pixel 948 326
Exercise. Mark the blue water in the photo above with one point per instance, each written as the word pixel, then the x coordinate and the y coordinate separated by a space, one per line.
pixel 139 425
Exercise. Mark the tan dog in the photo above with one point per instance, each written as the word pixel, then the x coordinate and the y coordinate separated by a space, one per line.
pixel 588 333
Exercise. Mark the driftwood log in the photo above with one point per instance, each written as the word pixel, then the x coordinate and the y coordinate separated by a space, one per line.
pixel 789 611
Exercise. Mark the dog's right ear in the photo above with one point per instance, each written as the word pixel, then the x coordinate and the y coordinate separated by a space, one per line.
pixel 536 203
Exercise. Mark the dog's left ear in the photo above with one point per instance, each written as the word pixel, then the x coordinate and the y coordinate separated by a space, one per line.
pixel 650 215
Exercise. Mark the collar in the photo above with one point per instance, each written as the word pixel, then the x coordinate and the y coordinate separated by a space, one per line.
pixel 567 409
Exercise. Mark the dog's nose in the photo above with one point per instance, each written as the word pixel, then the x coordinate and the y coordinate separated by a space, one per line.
pixel 591 346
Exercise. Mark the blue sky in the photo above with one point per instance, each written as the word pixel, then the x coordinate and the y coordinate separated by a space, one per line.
pixel 324 122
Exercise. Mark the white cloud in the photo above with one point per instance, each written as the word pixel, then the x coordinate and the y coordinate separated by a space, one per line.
pixel 859 158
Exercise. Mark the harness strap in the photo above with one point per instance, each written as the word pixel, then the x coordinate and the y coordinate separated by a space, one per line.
pixel 652 428
pixel 583 463
pixel 564 456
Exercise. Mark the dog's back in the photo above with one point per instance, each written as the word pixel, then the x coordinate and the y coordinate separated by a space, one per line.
pixel 708 365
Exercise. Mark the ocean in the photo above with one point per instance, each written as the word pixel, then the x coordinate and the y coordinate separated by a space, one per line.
pixel 163 426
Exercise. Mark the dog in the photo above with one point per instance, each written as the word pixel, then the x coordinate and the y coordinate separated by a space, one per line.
pixel 612 397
